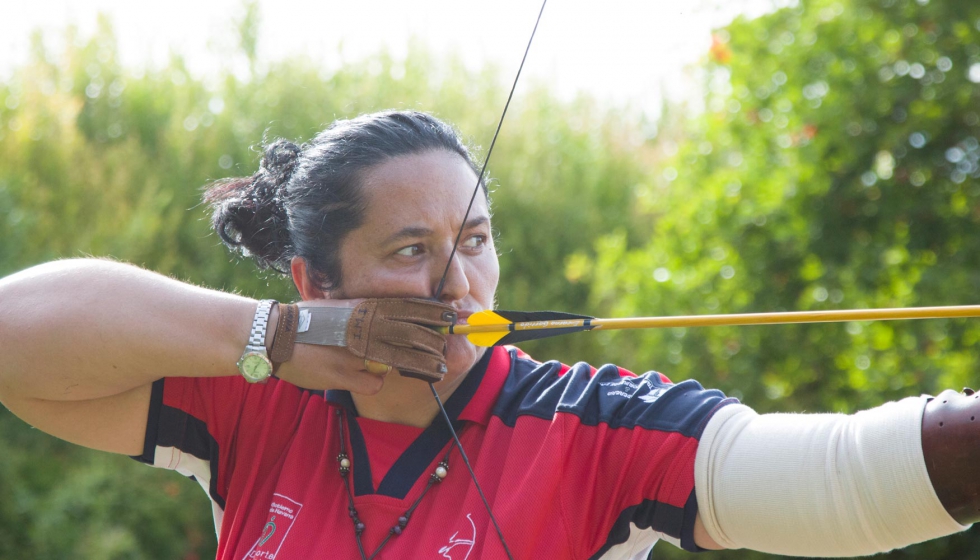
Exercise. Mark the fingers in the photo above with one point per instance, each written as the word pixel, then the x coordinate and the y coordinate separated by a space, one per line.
pixel 365 383
pixel 400 333
pixel 364 377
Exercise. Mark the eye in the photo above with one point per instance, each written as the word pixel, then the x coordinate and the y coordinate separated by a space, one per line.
pixel 410 251
pixel 475 241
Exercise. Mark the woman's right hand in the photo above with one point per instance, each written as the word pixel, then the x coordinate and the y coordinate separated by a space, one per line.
pixel 330 367
pixel 380 333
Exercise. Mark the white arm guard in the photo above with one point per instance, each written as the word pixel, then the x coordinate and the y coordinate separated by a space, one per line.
pixel 818 484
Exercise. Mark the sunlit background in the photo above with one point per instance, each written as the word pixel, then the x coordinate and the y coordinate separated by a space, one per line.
pixel 624 51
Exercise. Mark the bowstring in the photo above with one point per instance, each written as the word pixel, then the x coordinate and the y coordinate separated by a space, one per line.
pixel 449 263
pixel 466 461
pixel 486 160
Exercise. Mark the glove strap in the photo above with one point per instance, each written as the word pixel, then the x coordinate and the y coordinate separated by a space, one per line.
pixel 324 326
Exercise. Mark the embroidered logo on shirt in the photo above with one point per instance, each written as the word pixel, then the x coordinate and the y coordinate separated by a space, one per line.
pixel 460 548
pixel 629 386
pixel 282 514
pixel 653 395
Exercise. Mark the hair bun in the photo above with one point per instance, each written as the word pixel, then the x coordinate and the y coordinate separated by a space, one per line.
pixel 249 213
pixel 279 161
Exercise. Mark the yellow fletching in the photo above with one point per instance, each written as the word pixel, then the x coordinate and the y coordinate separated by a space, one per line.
pixel 483 318
pixel 487 339
pixel 487 317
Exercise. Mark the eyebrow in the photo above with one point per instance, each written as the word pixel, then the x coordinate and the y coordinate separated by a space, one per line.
pixel 416 231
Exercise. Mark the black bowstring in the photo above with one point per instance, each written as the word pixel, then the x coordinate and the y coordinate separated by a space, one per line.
pixel 486 161
pixel 449 263
pixel 466 461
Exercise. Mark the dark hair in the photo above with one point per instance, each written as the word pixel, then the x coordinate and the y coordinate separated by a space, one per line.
pixel 304 200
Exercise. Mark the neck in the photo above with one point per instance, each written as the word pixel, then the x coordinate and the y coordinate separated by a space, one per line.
pixel 405 400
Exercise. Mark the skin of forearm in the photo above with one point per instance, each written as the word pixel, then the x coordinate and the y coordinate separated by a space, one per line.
pixel 86 329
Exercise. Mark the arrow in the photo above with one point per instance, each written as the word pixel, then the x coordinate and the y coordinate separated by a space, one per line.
pixel 497 327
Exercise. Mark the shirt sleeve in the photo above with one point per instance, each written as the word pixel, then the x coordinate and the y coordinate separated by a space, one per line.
pixel 630 444
pixel 197 426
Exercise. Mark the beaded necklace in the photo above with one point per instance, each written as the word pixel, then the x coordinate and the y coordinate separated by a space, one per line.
pixel 344 466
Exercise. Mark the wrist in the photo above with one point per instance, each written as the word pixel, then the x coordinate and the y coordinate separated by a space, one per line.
pixel 950 426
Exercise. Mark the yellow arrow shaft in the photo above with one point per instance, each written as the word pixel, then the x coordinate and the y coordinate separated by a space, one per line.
pixel 739 319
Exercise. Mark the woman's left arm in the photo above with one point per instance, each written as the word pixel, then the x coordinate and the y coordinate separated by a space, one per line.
pixel 839 485
pixel 702 538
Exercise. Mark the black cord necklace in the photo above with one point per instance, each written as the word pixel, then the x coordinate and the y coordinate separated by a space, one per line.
pixel 344 466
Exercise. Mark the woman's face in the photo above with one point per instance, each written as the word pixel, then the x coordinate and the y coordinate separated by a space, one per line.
pixel 415 205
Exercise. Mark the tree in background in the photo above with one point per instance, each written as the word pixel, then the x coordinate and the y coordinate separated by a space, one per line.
pixel 835 166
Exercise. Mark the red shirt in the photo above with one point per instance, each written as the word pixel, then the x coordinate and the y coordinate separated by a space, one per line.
pixel 575 462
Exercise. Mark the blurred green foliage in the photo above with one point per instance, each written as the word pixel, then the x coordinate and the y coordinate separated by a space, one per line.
pixel 835 164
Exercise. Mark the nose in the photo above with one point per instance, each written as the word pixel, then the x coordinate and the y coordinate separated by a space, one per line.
pixel 455 286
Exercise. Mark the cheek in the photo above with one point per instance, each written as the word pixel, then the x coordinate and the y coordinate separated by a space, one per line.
pixel 387 283
pixel 489 276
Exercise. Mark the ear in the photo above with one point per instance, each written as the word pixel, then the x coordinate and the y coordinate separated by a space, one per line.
pixel 308 290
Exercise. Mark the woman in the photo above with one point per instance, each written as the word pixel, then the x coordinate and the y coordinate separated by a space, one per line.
pixel 338 456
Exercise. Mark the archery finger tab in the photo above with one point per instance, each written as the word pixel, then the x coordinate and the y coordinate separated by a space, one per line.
pixel 359 327
pixel 395 332
pixel 418 311
pixel 431 343
pixel 406 359
pixel 420 365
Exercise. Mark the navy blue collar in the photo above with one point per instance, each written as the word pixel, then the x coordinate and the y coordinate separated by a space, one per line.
pixel 416 459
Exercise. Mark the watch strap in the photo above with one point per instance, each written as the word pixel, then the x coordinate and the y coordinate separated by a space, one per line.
pixel 260 324
pixel 285 338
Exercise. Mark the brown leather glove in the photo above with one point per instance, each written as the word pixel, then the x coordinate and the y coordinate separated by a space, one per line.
pixel 400 333
pixel 950 435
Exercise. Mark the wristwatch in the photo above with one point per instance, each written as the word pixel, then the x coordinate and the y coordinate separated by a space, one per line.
pixel 255 364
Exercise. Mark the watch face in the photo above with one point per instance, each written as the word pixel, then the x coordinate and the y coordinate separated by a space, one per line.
pixel 255 367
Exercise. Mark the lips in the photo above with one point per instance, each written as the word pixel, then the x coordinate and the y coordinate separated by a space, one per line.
pixel 462 316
